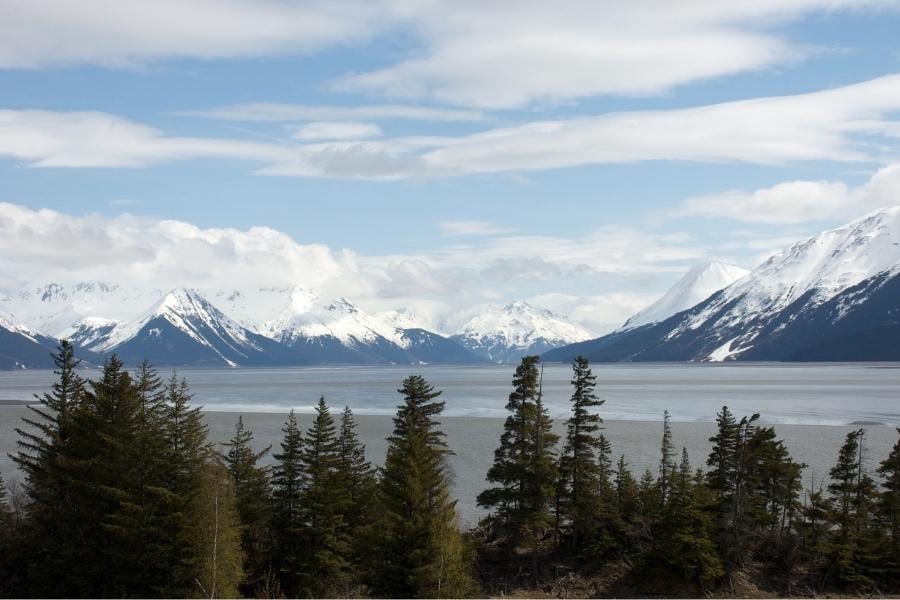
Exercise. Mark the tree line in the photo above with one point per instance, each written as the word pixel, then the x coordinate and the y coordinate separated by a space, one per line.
pixel 125 495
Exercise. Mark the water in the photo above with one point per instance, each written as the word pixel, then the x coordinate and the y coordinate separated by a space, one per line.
pixel 812 406
pixel 818 394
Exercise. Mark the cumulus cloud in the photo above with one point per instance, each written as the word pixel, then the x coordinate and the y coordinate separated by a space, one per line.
pixel 41 246
pixel 798 201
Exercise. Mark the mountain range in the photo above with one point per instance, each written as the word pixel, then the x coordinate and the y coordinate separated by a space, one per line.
pixel 264 327
pixel 831 297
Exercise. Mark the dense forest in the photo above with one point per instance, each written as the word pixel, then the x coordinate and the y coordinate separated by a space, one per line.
pixel 123 494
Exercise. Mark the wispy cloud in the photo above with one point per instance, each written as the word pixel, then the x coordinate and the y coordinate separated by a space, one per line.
pixel 127 33
pixel 846 124
pixel 471 228
pixel 285 113
pixel 476 54
pixel 531 52
pixel 798 201
pixel 336 130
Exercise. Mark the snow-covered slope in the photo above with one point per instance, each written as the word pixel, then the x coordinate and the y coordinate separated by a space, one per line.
pixel 55 309
pixel 307 317
pixel 697 285
pixel 184 328
pixel 22 348
pixel 339 332
pixel 824 297
pixel 504 335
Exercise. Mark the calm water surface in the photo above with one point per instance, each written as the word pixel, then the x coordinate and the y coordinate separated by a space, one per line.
pixel 819 394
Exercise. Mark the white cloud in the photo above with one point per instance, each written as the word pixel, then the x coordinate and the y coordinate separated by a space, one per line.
pixel 798 201
pixel 336 130
pixel 846 124
pixel 125 33
pixel 94 139
pixel 269 112
pixel 517 53
pixel 50 246
pixel 471 228
pixel 469 53
pixel 598 314
pixel 839 125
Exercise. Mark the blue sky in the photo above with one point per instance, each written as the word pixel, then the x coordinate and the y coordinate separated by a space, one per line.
pixel 582 155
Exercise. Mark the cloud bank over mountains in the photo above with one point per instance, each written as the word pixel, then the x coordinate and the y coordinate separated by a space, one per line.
pixel 577 276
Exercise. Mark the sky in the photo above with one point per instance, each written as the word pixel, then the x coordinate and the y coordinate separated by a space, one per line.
pixel 437 155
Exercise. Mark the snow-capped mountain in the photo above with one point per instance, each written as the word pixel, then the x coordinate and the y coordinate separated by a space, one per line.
pixel 696 285
pixel 833 296
pixel 55 309
pixel 341 332
pixel 504 335
pixel 22 348
pixel 184 328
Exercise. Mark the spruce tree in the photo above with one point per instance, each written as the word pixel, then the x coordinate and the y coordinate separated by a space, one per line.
pixel 326 564
pixel 889 507
pixel 251 487
pixel 187 478
pixel 44 457
pixel 142 517
pixel 356 475
pixel 288 484
pixel 667 460
pixel 9 545
pixel 685 532
pixel 723 457
pixel 524 470
pixel 584 465
pixel 420 552
pixel 851 491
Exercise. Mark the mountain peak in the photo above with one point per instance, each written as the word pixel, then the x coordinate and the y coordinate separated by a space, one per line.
pixel 516 329
pixel 698 284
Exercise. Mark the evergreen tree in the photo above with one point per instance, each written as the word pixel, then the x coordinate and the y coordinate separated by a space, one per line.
pixel 189 454
pixel 326 564
pixel 851 491
pixel 584 464
pixel 813 528
pixel 889 507
pixel 686 530
pixel 356 475
pixel 142 517
pixel 524 469
pixel 251 487
pixel 106 484
pixel 667 460
pixel 9 544
pixel 723 457
pixel 288 484
pixel 355 472
pixel 44 457
pixel 420 553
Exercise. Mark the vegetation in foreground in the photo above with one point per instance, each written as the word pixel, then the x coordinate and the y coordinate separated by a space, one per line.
pixel 124 495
